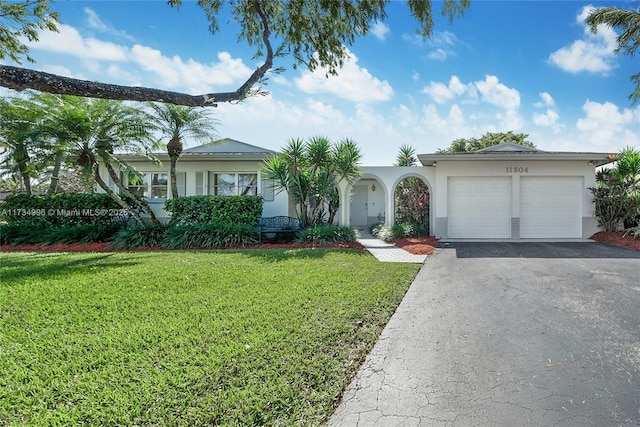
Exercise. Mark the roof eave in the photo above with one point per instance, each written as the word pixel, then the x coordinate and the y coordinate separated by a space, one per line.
pixel 596 159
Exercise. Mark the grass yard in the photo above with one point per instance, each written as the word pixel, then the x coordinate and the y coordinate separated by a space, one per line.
pixel 247 337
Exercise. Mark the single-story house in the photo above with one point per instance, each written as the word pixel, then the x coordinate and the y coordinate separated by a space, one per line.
pixel 504 192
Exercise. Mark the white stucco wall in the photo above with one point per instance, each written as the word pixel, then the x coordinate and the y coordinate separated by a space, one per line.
pixel 279 206
pixel 514 170
pixel 380 202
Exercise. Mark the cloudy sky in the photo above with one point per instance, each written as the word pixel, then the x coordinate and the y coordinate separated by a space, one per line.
pixel 524 66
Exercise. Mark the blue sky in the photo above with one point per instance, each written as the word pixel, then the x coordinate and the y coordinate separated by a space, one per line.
pixel 526 66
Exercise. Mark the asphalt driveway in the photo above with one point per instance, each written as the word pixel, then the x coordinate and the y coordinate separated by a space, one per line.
pixel 508 334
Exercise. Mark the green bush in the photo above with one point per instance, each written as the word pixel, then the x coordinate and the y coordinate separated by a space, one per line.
pixel 215 209
pixel 140 236
pixel 327 233
pixel 398 231
pixel 211 235
pixel 59 209
pixel 41 234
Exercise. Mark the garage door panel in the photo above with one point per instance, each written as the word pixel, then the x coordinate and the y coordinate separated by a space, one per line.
pixel 550 207
pixel 479 207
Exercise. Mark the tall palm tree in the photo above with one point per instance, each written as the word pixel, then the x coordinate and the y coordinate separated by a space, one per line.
pixel 97 128
pixel 177 123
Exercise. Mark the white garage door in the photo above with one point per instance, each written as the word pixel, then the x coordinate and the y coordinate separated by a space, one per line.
pixel 550 207
pixel 479 207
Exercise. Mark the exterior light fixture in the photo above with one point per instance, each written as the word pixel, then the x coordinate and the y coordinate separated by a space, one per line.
pixel 373 187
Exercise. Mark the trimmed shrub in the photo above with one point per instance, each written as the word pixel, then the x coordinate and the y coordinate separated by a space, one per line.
pixel 215 209
pixel 327 233
pixel 211 235
pixel 21 234
pixel 140 236
pixel 398 231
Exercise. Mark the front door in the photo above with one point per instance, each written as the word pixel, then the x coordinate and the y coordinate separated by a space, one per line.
pixel 359 202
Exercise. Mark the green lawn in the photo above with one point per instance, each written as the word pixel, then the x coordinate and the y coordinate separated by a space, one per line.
pixel 255 337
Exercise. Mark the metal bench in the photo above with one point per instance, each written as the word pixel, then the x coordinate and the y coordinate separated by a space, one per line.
pixel 279 225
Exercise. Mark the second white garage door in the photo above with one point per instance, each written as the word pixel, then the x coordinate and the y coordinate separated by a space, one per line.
pixel 479 207
pixel 550 207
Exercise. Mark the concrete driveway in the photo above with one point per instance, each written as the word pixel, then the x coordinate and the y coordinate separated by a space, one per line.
pixel 508 334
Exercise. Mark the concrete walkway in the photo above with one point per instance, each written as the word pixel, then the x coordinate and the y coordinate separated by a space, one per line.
pixel 386 252
pixel 508 334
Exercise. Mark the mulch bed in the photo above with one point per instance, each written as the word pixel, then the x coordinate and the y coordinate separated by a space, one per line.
pixel 414 245
pixel 617 238
pixel 106 247
pixel 418 245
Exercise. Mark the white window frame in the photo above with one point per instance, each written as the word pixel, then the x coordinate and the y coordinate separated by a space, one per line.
pixel 235 188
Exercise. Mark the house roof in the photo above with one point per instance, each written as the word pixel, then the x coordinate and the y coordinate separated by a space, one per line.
pixel 222 149
pixel 227 146
pixel 511 151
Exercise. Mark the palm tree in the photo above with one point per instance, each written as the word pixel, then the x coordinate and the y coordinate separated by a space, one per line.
pixel 177 123
pixel 628 21
pixel 94 130
pixel 20 140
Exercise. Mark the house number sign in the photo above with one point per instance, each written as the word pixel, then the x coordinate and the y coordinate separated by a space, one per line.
pixel 517 169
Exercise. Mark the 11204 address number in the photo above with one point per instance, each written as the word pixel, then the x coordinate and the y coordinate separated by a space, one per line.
pixel 518 169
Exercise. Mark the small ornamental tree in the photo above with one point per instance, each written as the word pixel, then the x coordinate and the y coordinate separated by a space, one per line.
pixel 411 194
pixel 617 192
pixel 310 172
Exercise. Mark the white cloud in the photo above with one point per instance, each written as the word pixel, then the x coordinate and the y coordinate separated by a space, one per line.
pixel 496 93
pixel 593 53
pixel 100 58
pixel 547 100
pixel 352 83
pixel 191 75
pixel 548 118
pixel 69 41
pixel 438 55
pixel 490 90
pixel 605 125
pixel 380 30
pixel 442 44
pixel 96 23
pixel 442 93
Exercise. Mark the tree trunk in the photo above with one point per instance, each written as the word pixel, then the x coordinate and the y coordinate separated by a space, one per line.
pixel 172 172
pixel 53 186
pixel 115 197
pixel 174 149
pixel 26 181
pixel 145 207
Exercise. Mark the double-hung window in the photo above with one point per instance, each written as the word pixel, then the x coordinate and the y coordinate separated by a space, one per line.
pixel 149 185
pixel 233 184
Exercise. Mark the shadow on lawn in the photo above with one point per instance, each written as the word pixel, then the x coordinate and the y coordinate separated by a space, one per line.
pixel 44 265
pixel 279 255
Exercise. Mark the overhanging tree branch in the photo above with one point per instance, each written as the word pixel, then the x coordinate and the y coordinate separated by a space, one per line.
pixel 19 79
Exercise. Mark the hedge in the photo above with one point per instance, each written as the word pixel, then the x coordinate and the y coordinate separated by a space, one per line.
pixel 215 209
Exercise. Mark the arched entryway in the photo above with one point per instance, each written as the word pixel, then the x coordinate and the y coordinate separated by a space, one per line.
pixel 412 203
pixel 367 203
pixel 370 199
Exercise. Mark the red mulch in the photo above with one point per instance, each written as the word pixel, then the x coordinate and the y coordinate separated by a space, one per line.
pixel 617 238
pixel 414 245
pixel 105 247
pixel 418 245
